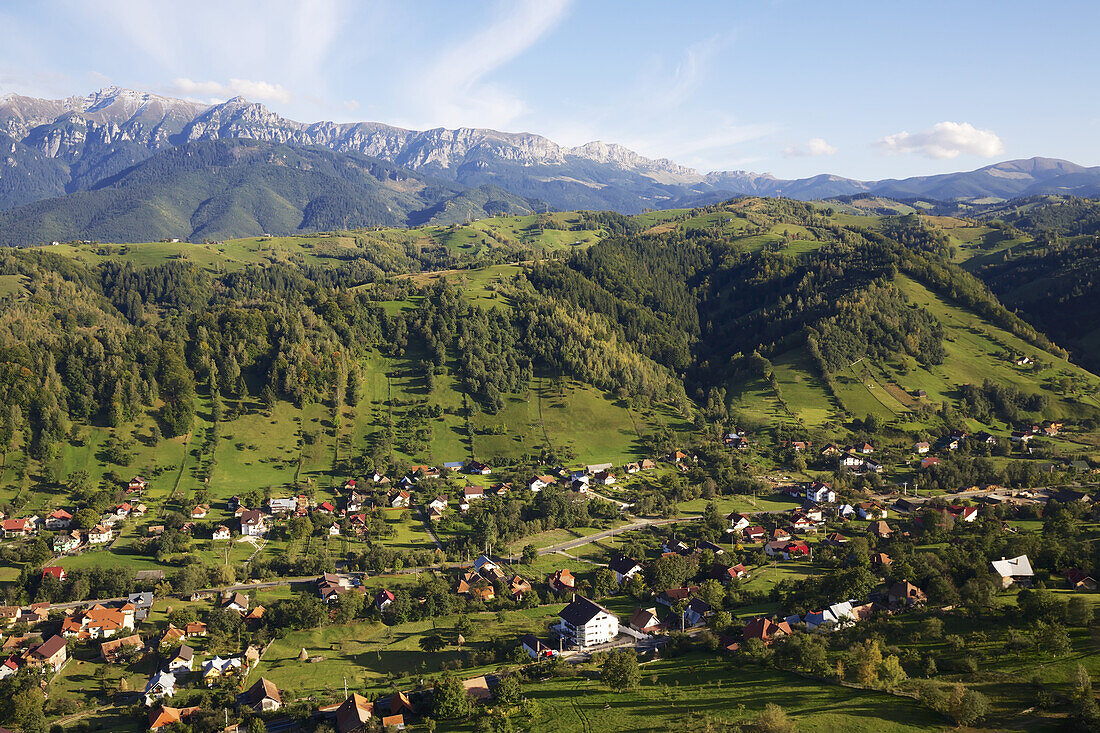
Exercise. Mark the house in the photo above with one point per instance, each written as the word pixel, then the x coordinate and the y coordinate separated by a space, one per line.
pixel 334 530
pixel 836 539
pixel 604 478
pixel 517 586
pixel 765 630
pixel 195 628
pixel 160 685
pixel 632 468
pixel 725 574
pixel 780 535
pixel 671 596
pixel 921 448
pixel 349 485
pixel 63 543
pixel 1078 581
pixel 538 483
pixel 252 523
pixel 283 505
pixel 819 619
pixel 354 502
pixel 470 493
pixel 137 483
pixel 435 514
pixel 354 714
pixel 219 668
pixel 801 445
pixel 116 650
pixel 561 581
pixel 1016 570
pixel 439 503
pixel 647 465
pixel 881 530
pixel 830 450
pixel 535 648
pixel 171 636
pixel 163 716
pixel 871 510
pixel 17 528
pixel 182 661
pixel 881 560
pixel 1022 436
pixel 101 534
pixel 262 697
pixel 99 622
pixel 819 492
pixel 738 522
pixel 452 465
pixel 55 572
pixel 221 533
pixel 708 546
pixel 584 623
pixel 477 688
pixel 672 544
pixel 905 593
pixel 236 602
pixel 801 523
pixel 51 654
pixel 142 602
pixel 200 511
pixel 326 507
pixel 401 499
pixel 233 503
pixel 929 461
pixel 754 534
pixel 645 620
pixel 383 598
pixel 58 519
pixel 478 469
pixel 864 448
pixel 475 585
pixel 487 568
pixel 624 567
pixel 696 613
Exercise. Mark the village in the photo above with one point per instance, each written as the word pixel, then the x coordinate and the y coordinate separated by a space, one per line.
pixel 601 600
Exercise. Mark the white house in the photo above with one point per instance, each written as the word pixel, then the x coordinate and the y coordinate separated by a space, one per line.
pixel 739 522
pixel 283 506
pixel 162 684
pixel 624 568
pixel 221 533
pixel 252 523
pixel 1014 570
pixel 584 623
pixel 439 503
pixel 819 492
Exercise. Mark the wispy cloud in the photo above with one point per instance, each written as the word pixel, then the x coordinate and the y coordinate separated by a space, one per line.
pixel 813 148
pixel 945 140
pixel 253 91
pixel 454 89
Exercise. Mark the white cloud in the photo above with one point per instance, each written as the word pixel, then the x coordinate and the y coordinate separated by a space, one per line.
pixel 253 91
pixel 453 91
pixel 814 148
pixel 945 140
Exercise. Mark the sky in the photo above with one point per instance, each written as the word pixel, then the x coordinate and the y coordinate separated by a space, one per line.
pixel 866 90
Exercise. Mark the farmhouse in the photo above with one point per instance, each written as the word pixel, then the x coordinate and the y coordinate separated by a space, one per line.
pixel 63 543
pixel 117 649
pixel 905 593
pixel 221 533
pixel 645 620
pixel 624 567
pixel 17 528
pixel 1016 570
pixel 738 522
pixel 881 530
pixel 137 483
pixel 535 648
pixel 160 685
pixel 54 571
pixel 584 623
pixel 871 510
pixel 561 581
pixel 51 654
pixel 765 630
pixel 58 519
pixel 354 714
pixel 262 697
pixel 252 523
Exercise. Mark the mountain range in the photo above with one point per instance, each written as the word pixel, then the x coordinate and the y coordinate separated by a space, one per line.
pixel 60 160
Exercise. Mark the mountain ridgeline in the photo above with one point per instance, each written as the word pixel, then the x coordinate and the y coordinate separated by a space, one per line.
pixel 54 149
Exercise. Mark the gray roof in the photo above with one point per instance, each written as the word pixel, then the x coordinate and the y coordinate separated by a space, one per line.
pixel 581 611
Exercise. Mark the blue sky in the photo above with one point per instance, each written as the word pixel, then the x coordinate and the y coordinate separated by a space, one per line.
pixel 867 90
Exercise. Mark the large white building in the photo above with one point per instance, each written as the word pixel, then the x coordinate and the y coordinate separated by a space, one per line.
pixel 584 623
